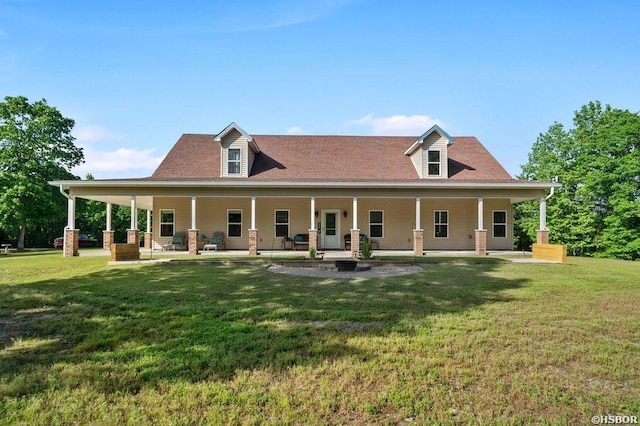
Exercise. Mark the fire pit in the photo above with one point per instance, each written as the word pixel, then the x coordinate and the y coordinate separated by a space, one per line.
pixel 347 265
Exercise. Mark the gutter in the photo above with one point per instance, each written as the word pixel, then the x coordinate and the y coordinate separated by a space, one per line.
pixel 553 188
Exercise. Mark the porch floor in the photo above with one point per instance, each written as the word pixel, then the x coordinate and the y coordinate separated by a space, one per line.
pixel 515 256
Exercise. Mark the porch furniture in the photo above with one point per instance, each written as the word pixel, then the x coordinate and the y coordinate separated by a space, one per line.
pixel 202 241
pixel 300 240
pixel 286 244
pixel 5 248
pixel 347 240
pixel 179 242
pixel 217 241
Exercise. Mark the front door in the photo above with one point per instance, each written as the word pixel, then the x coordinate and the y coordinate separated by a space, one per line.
pixel 331 229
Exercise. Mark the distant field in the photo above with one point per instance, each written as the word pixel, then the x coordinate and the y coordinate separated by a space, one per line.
pixel 462 342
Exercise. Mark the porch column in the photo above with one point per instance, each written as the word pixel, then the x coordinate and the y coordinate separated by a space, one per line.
pixel 543 232
pixel 355 231
pixel 148 235
pixel 418 233
pixel 253 232
pixel 193 231
pixel 108 237
pixel 313 232
pixel 70 246
pixel 481 233
pixel 133 235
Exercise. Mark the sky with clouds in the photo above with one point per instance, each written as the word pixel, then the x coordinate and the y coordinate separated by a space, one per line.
pixel 135 75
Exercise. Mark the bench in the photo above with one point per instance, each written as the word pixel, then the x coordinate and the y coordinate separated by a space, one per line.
pixel 5 248
pixel 300 240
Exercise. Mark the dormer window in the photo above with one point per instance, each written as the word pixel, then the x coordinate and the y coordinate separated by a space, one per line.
pixel 233 162
pixel 433 165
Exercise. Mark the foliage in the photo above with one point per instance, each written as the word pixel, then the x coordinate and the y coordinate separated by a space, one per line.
pixel 208 343
pixel 597 210
pixel 35 146
pixel 365 249
pixel 312 253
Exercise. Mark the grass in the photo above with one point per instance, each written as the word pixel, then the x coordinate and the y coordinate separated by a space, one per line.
pixel 462 342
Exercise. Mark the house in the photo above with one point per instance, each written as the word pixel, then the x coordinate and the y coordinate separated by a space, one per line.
pixel 431 192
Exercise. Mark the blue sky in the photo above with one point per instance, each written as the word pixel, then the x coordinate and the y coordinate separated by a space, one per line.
pixel 135 75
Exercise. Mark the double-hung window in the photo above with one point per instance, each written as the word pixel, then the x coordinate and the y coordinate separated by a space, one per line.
pixel 499 224
pixel 441 223
pixel 233 161
pixel 376 223
pixel 167 223
pixel 234 223
pixel 282 223
pixel 433 163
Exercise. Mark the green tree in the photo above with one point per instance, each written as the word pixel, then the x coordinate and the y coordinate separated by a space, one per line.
pixel 597 211
pixel 35 146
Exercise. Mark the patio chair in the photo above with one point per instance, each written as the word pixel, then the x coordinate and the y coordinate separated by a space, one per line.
pixel 217 242
pixel 178 242
pixel 347 240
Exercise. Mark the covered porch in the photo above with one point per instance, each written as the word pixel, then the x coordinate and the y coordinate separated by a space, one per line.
pixel 403 220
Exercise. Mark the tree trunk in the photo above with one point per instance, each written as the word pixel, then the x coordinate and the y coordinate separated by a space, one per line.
pixel 21 237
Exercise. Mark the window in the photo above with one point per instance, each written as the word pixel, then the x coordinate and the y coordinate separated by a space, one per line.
pixel 167 223
pixel 282 223
pixel 376 223
pixel 234 223
pixel 441 222
pixel 233 163
pixel 433 163
pixel 500 224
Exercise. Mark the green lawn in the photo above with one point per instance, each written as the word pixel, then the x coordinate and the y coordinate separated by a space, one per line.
pixel 462 342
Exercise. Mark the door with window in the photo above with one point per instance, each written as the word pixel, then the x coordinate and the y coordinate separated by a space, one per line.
pixel 331 229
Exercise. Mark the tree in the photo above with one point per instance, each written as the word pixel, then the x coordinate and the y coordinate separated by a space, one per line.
pixel 597 211
pixel 35 146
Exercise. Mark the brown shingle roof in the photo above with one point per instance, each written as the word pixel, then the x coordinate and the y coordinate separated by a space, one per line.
pixel 327 158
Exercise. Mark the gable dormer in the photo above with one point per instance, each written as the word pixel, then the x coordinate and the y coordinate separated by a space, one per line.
pixel 429 154
pixel 238 151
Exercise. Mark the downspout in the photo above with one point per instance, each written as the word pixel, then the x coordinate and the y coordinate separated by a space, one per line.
pixel 68 197
pixel 553 188
pixel 70 210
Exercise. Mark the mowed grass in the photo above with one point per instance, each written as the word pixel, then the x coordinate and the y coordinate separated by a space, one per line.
pixel 462 342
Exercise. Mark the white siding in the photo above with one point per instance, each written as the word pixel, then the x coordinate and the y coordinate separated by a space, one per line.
pixel 435 142
pixel 235 139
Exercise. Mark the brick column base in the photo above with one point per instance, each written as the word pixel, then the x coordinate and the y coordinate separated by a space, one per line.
pixel 253 242
pixel 313 240
pixel 355 242
pixel 193 241
pixel 108 238
pixel 418 242
pixel 481 242
pixel 148 240
pixel 133 237
pixel 70 247
pixel 542 236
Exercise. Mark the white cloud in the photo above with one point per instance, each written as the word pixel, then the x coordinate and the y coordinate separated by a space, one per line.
pixel 121 163
pixel 93 133
pixel 295 130
pixel 114 161
pixel 396 125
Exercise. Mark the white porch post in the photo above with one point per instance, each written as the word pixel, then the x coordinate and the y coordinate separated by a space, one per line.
pixel 313 214
pixel 543 214
pixel 355 213
pixel 148 221
pixel 108 224
pixel 418 233
pixel 253 232
pixel 71 213
pixel 313 232
pixel 134 213
pixel 253 212
pixel 193 231
pixel 193 212
pixel 480 213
